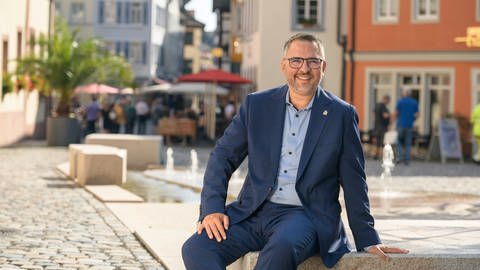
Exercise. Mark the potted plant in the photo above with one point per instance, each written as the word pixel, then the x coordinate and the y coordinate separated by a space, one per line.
pixel 69 63
pixel 308 22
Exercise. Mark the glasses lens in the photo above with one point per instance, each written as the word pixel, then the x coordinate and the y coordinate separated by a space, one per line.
pixel 295 62
pixel 314 63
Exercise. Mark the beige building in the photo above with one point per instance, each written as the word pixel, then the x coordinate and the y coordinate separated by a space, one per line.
pixel 192 54
pixel 265 25
pixel 21 22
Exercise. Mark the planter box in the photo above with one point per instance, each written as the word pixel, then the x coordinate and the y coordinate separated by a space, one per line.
pixel 62 131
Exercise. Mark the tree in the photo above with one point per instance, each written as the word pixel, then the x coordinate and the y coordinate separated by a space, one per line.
pixel 70 62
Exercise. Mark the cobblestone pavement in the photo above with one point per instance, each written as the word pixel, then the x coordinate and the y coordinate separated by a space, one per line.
pixel 47 222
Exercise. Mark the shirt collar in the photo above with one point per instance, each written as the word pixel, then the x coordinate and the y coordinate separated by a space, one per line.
pixel 310 104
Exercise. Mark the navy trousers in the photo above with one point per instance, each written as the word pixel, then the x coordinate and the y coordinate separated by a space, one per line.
pixel 283 234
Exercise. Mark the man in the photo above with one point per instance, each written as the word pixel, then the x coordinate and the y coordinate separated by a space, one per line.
pixel 382 121
pixel 92 113
pixel 302 144
pixel 475 120
pixel 406 113
pixel 141 109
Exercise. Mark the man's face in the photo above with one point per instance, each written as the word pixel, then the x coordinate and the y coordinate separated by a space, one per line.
pixel 304 80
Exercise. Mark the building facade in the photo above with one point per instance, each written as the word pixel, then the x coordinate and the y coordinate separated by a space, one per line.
pixel 22 22
pixel 192 54
pixel 260 29
pixel 431 47
pixel 147 33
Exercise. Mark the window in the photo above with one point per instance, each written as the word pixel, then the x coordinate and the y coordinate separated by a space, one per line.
pixel 77 13
pixel 160 16
pixel 386 10
pixel 189 38
pixel 101 12
pixel 308 14
pixel 478 10
pixel 426 10
pixel 135 54
pixel 136 13
pixel 187 66
pixel 19 44
pixel 5 56
pixel 58 9
pixel 110 11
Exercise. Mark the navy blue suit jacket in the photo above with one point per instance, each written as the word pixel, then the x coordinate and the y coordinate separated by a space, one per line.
pixel 332 156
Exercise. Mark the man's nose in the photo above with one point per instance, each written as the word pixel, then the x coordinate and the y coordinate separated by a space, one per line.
pixel 304 67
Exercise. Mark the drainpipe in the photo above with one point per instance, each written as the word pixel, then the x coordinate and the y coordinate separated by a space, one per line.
pixel 352 51
pixel 341 41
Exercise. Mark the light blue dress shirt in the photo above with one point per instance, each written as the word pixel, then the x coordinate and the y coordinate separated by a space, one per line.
pixel 294 131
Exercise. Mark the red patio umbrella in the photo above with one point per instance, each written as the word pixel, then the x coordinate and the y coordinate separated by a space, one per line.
pixel 214 75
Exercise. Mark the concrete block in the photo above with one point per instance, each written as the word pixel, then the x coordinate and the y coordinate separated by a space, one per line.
pixel 142 150
pixel 101 167
pixel 74 149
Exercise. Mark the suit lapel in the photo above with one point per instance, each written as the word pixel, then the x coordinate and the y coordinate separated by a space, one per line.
pixel 318 120
pixel 277 122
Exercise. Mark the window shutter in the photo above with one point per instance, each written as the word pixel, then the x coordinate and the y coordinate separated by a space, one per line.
pixel 119 12
pixel 118 47
pixel 126 49
pixel 127 13
pixel 144 53
pixel 101 12
pixel 145 13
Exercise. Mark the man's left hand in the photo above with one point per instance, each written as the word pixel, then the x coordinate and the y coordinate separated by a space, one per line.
pixel 382 251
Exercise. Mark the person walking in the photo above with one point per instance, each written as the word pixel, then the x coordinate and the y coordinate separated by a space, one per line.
pixel 92 114
pixel 406 113
pixel 302 143
pixel 382 122
pixel 141 109
pixel 475 120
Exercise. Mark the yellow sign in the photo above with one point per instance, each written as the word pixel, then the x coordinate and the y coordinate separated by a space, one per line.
pixel 472 39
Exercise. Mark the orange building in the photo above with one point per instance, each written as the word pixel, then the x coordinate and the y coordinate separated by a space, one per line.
pixel 431 47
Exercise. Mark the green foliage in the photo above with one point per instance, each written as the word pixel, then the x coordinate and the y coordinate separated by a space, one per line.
pixel 70 62
pixel 7 83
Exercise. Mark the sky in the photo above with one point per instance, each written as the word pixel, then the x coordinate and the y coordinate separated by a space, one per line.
pixel 203 13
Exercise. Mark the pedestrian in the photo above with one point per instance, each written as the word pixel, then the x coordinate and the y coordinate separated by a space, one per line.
pixel 382 122
pixel 405 114
pixel 302 143
pixel 475 119
pixel 92 114
pixel 141 109
pixel 229 111
pixel 130 115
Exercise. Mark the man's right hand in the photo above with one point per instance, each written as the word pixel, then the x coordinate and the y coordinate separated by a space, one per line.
pixel 215 225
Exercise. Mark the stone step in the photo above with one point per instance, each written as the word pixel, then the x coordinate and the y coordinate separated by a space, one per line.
pixel 112 193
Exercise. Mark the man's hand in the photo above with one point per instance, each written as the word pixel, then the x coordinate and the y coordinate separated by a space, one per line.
pixel 381 250
pixel 215 225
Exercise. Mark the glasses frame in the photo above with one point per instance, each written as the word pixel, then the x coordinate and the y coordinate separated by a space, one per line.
pixel 303 61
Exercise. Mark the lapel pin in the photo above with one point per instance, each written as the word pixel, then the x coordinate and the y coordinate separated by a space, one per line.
pixel 325 113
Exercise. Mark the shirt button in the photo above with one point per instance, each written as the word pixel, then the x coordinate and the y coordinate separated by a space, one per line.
pixel 289 153
pixel 285 171
pixel 296 115
pixel 293 134
pixel 280 189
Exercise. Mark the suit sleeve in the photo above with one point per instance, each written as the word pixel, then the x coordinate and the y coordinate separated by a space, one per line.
pixel 228 153
pixel 353 181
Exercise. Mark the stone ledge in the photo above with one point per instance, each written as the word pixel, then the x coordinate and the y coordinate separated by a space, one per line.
pixel 112 193
pixel 363 261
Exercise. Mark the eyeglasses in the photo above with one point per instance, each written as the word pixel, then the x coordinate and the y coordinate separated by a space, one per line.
pixel 297 62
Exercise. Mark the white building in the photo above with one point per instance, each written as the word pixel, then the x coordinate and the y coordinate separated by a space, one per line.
pixel 147 33
pixel 265 26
